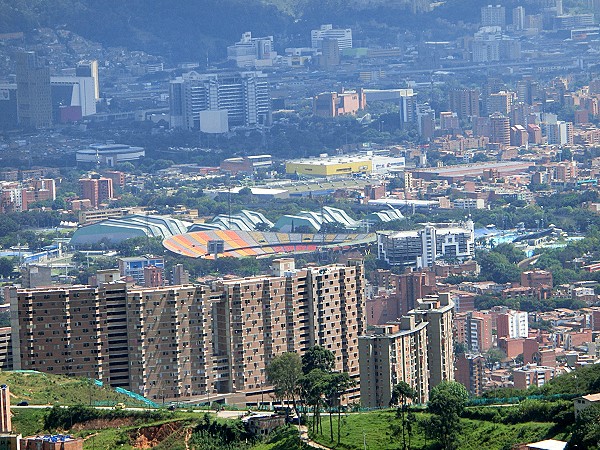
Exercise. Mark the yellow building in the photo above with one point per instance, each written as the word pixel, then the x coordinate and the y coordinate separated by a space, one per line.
pixel 330 166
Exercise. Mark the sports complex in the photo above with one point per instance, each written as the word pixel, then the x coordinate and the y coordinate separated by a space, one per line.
pixel 238 244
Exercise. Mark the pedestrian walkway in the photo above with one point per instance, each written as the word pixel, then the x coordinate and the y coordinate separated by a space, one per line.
pixel 303 429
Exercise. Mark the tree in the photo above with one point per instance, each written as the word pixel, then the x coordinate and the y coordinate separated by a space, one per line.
pixel 493 356
pixel 284 372
pixel 7 265
pixel 401 393
pixel 314 385
pixel 447 401
pixel 317 357
pixel 586 431
pixel 337 384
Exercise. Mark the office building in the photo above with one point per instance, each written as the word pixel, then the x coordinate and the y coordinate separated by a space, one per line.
pixel 465 102
pixel 408 108
pixel 135 267
pixel 8 106
pixel 330 56
pixel 89 69
pixel 393 353
pixel 96 189
pixel 334 104
pixel 342 36
pixel 421 248
pixel 251 52
pixel 72 98
pixel 244 96
pixel 192 341
pixel 493 16
pixel 34 99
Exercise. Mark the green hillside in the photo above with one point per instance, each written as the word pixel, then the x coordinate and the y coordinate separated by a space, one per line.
pixel 45 389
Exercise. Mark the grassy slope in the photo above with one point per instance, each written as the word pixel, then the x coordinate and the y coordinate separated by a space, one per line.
pixel 46 389
pixel 377 429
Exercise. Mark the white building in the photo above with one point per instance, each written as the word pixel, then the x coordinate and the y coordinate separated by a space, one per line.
pixel 343 36
pixel 421 248
pixel 252 52
pixel 244 95
pixel 513 324
pixel 75 91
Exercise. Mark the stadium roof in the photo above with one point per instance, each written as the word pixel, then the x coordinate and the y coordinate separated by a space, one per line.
pixel 239 244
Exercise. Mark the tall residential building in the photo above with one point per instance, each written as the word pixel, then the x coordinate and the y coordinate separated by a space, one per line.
pixel 244 97
pixel 191 341
pixel 479 332
pixel 499 129
pixel 493 16
pixel 396 352
pixel 97 190
pixel 518 18
pixel 412 286
pixel 512 325
pixel 465 102
pixel 421 248
pixel 89 69
pixel 470 369
pixel 34 100
pixel 342 36
pixel 438 312
pixel 252 52
pixel 500 102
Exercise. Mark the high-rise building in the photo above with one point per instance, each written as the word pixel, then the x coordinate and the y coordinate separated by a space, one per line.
pixel 89 69
pixel 396 352
pixel 408 107
pixel 342 36
pixel 499 129
pixel 97 190
pixel 330 53
pixel 72 98
pixel 34 100
pixel 470 372
pixel 191 341
pixel 252 52
pixel 8 106
pixel 438 312
pixel 518 18
pixel 412 286
pixel 512 325
pixel 493 16
pixel 500 102
pixel 479 332
pixel 465 102
pixel 244 96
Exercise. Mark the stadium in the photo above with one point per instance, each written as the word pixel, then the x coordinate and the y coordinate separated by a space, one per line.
pixel 239 244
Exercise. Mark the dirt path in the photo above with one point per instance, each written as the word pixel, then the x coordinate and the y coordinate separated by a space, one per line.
pixel 303 429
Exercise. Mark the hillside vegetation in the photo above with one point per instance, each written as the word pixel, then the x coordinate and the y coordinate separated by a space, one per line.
pixel 45 389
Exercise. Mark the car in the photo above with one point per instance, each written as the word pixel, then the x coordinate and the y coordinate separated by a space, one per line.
pixel 172 408
pixel 23 403
pixel 120 406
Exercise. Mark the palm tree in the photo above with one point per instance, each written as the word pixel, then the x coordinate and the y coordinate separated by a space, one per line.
pixel 401 393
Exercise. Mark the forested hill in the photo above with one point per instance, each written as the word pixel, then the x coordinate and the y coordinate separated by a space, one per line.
pixel 184 29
